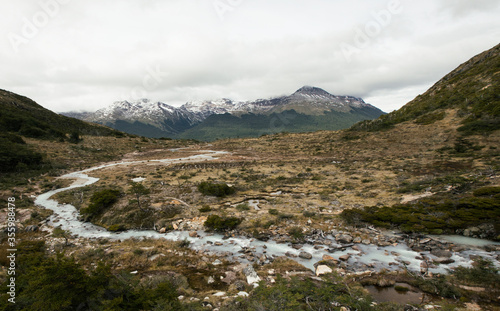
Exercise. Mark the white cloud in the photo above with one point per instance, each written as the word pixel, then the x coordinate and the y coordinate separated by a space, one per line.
pixel 92 53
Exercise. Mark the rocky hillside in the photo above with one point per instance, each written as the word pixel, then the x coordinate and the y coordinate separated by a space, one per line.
pixel 473 89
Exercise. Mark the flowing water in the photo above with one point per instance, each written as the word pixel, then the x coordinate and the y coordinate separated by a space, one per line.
pixel 366 257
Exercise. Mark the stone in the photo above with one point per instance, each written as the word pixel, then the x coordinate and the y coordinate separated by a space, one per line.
pixel 344 239
pixel 242 294
pixel 329 259
pixel 217 262
pixel 31 228
pixel 251 275
pixel 193 234
pixel 424 267
pixel 229 278
pixel 323 269
pixel 237 286
pixel 441 253
pixel 443 260
pixel 175 226
pixel 211 280
pixel 366 242
pixel 305 255
pixel 345 257
pixel 357 240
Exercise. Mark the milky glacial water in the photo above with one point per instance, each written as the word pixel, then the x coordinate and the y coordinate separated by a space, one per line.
pixel 463 240
pixel 390 257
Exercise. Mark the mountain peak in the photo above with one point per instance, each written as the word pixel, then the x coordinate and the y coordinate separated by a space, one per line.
pixel 311 90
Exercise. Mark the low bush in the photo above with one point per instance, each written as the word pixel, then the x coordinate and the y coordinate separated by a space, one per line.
pixel 434 215
pixel 205 209
pixel 217 223
pixel 215 189
pixel 101 200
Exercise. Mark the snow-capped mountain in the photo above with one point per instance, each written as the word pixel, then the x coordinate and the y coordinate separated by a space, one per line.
pixel 144 116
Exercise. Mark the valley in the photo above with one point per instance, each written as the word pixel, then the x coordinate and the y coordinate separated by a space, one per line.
pixel 323 220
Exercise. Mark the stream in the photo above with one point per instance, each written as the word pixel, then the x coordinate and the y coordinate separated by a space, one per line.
pixel 362 258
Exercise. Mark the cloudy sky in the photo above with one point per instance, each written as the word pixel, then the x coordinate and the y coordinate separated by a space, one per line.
pixel 83 55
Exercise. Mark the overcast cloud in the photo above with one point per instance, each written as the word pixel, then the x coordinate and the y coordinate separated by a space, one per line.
pixel 83 55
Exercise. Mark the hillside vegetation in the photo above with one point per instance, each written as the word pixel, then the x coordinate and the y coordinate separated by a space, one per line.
pixel 473 89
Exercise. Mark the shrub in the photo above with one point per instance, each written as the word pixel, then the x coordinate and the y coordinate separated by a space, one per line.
pixel 205 209
pixel 101 200
pixel 217 223
pixel 430 118
pixel 117 228
pixel 308 214
pixel 487 191
pixel 273 211
pixel 215 189
pixel 482 272
pixel 243 207
pixel 296 233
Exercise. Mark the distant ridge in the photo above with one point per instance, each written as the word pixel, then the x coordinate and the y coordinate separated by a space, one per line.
pixel 313 109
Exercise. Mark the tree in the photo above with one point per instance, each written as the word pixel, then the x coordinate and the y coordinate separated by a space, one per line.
pixel 74 137
pixel 61 233
pixel 138 190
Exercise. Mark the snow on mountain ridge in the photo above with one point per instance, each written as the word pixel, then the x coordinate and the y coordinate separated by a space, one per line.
pixel 308 100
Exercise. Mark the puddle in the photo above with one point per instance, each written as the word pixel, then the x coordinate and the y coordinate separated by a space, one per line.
pixel 390 294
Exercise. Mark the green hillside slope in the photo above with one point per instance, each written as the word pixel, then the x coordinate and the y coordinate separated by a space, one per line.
pixel 473 88
pixel 252 125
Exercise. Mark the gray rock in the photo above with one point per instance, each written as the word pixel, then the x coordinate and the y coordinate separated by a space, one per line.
pixel 441 253
pixel 252 277
pixel 31 229
pixel 443 260
pixel 305 255
pixel 237 286
pixel 344 239
pixel 345 257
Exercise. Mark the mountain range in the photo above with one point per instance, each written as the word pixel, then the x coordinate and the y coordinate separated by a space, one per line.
pixel 307 109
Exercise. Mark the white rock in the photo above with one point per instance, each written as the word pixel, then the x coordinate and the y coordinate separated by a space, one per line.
pixel 323 269
pixel 219 294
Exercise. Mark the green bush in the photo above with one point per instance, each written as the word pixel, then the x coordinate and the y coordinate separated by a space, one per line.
pixel 215 189
pixel 304 294
pixel 308 214
pixel 116 228
pixel 217 223
pixel 101 200
pixel 434 215
pixel 60 283
pixel 273 211
pixel 483 272
pixel 15 155
pixel 296 233
pixel 243 207
pixel 430 117
pixel 205 209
